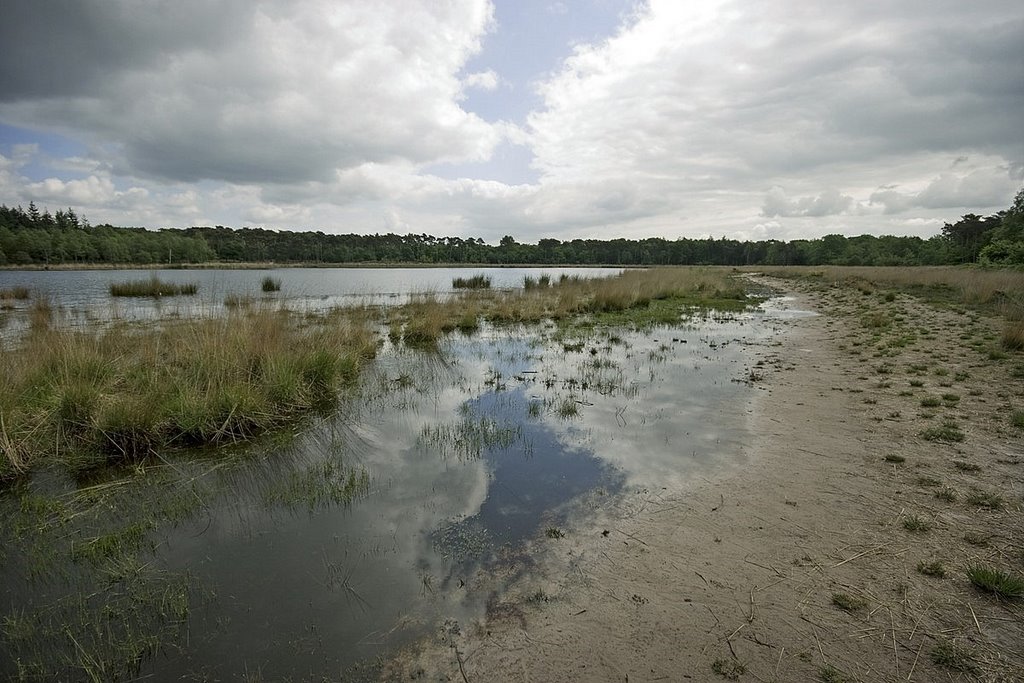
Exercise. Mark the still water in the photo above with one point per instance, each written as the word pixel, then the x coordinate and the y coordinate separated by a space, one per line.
pixel 87 292
pixel 475 457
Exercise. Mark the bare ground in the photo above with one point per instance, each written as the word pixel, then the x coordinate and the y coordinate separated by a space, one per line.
pixel 741 577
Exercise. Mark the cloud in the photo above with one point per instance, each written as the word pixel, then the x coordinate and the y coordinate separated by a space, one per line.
pixel 982 188
pixel 250 92
pixel 828 203
pixel 484 80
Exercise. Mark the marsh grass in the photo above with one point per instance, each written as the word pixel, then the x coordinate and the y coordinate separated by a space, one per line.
pixel 124 391
pixel 153 287
pixel 478 281
pixel 270 284
pixel 997 582
pixel 15 293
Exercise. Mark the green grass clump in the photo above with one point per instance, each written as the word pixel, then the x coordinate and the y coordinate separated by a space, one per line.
pixel 893 458
pixel 965 466
pixel 830 674
pixel 542 282
pixel 985 499
pixel 933 568
pixel 1017 419
pixel 270 284
pixel 948 431
pixel 951 656
pixel 479 281
pixel 916 524
pixel 1001 584
pixel 153 287
pixel 930 402
pixel 947 493
pixel 848 603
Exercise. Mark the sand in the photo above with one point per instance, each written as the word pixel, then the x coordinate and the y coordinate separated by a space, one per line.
pixel 738 576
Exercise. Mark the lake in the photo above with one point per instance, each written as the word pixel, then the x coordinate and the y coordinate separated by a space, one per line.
pixel 468 461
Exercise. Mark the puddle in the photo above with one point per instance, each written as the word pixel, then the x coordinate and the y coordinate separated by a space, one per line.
pixel 453 462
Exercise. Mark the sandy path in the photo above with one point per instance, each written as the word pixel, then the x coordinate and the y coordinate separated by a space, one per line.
pixel 734 577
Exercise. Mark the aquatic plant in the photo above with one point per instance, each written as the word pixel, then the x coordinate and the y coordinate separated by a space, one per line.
pixel 478 281
pixel 270 284
pixel 153 287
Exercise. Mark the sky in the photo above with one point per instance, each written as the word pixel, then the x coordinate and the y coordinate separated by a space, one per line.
pixel 775 119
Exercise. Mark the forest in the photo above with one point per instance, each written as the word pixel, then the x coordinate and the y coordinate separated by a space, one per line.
pixel 30 237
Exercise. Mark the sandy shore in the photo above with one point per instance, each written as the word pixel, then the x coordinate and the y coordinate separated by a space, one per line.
pixel 736 577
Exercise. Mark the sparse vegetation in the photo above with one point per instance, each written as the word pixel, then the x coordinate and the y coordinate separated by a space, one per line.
pixel 949 655
pixel 14 293
pixel 985 499
pixel 948 431
pixel 270 284
pixel 729 669
pixel 933 568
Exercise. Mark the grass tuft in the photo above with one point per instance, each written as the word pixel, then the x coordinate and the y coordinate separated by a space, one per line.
pixel 1001 584
pixel 728 669
pixel 933 568
pixel 916 524
pixel 270 284
pixel 153 287
pixel 948 431
pixel 951 656
pixel 478 281
pixel 848 603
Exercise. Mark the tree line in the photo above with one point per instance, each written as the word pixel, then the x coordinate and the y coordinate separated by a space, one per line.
pixel 31 237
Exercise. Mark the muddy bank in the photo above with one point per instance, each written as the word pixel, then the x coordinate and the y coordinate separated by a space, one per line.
pixel 839 551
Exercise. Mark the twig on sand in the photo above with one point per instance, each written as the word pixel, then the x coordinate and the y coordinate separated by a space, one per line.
pixel 914 665
pixel 869 550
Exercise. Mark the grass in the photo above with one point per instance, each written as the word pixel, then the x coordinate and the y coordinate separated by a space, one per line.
pixel 15 293
pixel 893 458
pixel 729 669
pixel 830 674
pixel 949 655
pixel 934 568
pixel 915 524
pixel 965 466
pixel 153 287
pixel 985 499
pixel 848 603
pixel 120 393
pixel 999 583
pixel 947 493
pixel 270 284
pixel 948 431
pixel 478 281
pixel 1017 419
pixel 930 402
pixel 1013 336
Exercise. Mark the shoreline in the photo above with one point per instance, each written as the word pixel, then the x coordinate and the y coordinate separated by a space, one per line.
pixel 737 576
pixel 271 265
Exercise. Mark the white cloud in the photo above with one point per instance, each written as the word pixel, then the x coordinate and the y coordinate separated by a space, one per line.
pixel 484 80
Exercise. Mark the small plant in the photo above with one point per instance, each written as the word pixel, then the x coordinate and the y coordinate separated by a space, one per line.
pixel 568 408
pixel 947 493
pixel 930 402
pixel 985 499
pixel 951 656
pixel 949 431
pixel 933 568
pixel 978 540
pixel 478 281
pixel 898 459
pixel 554 532
pixel 964 466
pixel 1017 419
pixel 729 669
pixel 916 383
pixel 269 284
pixel 928 482
pixel 830 674
pixel 951 398
pixel 915 524
pixel 999 583
pixel 848 603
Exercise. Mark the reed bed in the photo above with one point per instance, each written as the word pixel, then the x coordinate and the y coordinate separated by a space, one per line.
pixel 270 284
pixel 478 281
pixel 152 287
pixel 122 393
pixel 14 293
